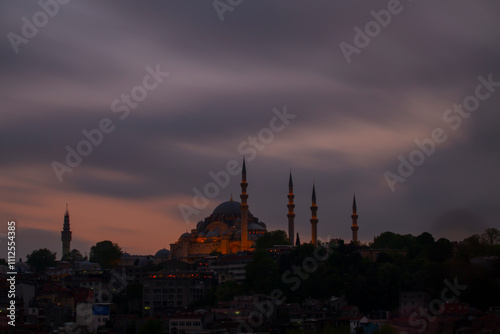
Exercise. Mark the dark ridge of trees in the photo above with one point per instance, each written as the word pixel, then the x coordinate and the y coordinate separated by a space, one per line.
pixel 377 284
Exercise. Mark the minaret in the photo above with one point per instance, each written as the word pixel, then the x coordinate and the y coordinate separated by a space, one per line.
pixel 314 218
pixel 297 242
pixel 66 234
pixel 291 214
pixel 244 208
pixel 354 217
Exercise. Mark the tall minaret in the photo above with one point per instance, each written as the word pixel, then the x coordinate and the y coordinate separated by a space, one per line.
pixel 66 234
pixel 291 214
pixel 314 218
pixel 354 217
pixel 244 208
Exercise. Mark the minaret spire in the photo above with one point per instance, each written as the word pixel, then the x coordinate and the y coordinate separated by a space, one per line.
pixel 66 234
pixel 291 214
pixel 244 209
pixel 314 218
pixel 314 194
pixel 354 217
pixel 244 171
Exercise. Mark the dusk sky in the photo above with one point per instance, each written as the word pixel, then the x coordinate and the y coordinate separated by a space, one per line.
pixel 355 85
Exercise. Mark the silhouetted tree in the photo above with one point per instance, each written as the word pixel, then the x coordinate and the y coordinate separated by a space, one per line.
pixel 41 259
pixel 441 251
pixel 270 239
pixel 262 272
pixel 490 236
pixel 393 241
pixel 106 253
pixel 425 239
pixel 73 255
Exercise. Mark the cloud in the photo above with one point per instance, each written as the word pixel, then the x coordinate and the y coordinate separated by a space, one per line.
pixel 226 77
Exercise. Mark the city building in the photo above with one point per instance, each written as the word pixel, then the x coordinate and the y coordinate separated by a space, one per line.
pixel 411 302
pixel 229 267
pixel 169 290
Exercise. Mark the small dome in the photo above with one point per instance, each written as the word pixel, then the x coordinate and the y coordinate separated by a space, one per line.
pixel 126 255
pixel 162 253
pixel 145 261
pixel 22 267
pixel 201 225
pixel 185 235
pixel 213 234
pixel 255 226
pixel 201 235
pixel 86 265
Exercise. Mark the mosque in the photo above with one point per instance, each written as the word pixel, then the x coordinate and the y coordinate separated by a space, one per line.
pixel 232 228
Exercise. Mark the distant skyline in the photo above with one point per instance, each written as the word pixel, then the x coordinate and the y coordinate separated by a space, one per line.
pixel 178 90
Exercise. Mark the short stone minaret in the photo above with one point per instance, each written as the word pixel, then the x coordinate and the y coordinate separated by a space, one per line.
pixel 244 208
pixel 291 214
pixel 314 218
pixel 297 242
pixel 354 217
pixel 66 234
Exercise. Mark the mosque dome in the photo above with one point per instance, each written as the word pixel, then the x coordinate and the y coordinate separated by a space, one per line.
pixel 201 235
pixel 162 253
pixel 86 265
pixel 145 261
pixel 185 235
pixel 126 255
pixel 201 225
pixel 255 226
pixel 228 208
pixel 22 266
pixel 213 234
